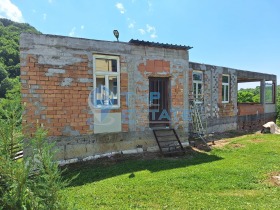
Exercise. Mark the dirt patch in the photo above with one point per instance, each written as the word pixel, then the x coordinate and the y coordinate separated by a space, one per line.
pixel 274 179
pixel 220 143
pixel 257 140
pixel 237 145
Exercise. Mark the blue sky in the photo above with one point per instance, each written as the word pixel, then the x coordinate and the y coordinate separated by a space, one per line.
pixel 242 34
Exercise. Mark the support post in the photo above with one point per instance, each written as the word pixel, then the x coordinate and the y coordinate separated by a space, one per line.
pixel 262 92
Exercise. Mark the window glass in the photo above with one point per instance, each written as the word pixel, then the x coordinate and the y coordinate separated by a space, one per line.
pixel 227 92
pixel 106 81
pixel 194 88
pixel 100 90
pixel 113 90
pixel 197 76
pixel 225 79
pixel 223 93
pixel 106 65
pixel 199 88
pixel 269 93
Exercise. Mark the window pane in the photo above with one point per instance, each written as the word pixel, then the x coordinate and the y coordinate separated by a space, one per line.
pixel 194 89
pixel 197 76
pixel 225 79
pixel 106 65
pixel 227 92
pixel 100 92
pixel 113 90
pixel 269 93
pixel 199 88
pixel 223 93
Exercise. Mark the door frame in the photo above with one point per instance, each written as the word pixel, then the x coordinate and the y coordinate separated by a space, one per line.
pixel 159 105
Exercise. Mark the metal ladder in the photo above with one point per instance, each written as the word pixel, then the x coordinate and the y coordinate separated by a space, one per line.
pixel 168 141
pixel 198 125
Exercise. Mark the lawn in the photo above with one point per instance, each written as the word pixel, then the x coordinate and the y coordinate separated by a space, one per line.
pixel 235 176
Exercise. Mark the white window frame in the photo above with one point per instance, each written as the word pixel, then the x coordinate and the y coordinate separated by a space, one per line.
pixel 197 82
pixel 224 84
pixel 107 75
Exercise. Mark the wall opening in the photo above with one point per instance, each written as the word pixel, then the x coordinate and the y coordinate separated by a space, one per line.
pixel 249 92
pixel 269 92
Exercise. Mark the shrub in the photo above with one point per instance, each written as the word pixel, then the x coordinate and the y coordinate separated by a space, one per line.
pixel 34 182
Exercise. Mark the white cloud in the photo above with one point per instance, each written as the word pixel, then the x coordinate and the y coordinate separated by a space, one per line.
pixel 44 16
pixel 131 23
pixel 153 36
pixel 142 31
pixel 10 11
pixel 72 32
pixel 82 27
pixel 151 30
pixel 120 7
pixel 50 1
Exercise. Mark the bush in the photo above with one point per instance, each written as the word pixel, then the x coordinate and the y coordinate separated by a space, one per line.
pixel 34 182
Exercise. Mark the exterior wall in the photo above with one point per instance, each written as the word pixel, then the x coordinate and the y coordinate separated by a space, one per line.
pixel 220 116
pixel 231 116
pixel 250 109
pixel 254 122
pixel 57 79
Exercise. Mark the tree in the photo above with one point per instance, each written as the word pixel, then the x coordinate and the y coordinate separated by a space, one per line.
pixel 3 72
pixel 245 97
pixel 6 85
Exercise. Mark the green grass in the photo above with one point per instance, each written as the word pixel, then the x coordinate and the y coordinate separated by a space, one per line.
pixel 233 177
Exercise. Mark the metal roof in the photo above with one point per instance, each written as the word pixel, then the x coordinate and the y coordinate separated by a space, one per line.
pixel 157 44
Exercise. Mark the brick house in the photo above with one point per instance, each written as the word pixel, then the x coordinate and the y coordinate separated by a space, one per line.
pixel 100 97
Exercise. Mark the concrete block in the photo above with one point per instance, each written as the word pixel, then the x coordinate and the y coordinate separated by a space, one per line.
pixel 66 82
pixel 51 72
pixel 75 151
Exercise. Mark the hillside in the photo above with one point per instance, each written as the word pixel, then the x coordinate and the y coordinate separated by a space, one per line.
pixel 9 52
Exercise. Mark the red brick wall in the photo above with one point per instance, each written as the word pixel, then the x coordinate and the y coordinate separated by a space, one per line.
pixel 54 106
pixel 250 109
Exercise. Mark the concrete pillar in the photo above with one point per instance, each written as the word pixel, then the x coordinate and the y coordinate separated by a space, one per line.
pixel 262 92
pixel 274 90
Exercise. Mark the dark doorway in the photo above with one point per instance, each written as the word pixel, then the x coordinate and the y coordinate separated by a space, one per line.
pixel 159 115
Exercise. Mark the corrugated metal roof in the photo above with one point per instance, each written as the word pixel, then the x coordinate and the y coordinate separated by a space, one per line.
pixel 157 44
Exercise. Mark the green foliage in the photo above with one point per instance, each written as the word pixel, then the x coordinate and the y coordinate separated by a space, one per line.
pixel 245 96
pixel 249 95
pixel 34 182
pixel 278 102
pixel 8 84
pixel 3 73
pixel 13 70
pixel 9 59
pixel 9 44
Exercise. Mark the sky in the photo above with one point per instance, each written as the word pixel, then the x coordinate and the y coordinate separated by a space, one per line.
pixel 242 34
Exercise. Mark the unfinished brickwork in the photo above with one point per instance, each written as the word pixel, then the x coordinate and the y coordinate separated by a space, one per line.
pixel 223 116
pixel 57 79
